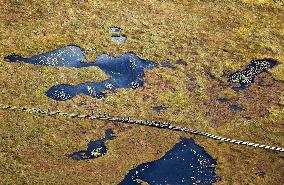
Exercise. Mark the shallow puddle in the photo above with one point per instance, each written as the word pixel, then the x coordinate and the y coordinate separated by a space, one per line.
pixel 115 29
pixel 95 148
pixel 160 108
pixel 231 106
pixel 119 38
pixel 125 71
pixel 165 63
pixel 117 35
pixel 181 62
pixel 222 100
pixel 185 163
pixel 235 108
pixel 109 134
pixel 247 76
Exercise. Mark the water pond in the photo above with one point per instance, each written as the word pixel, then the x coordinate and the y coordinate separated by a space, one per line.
pixel 247 76
pixel 126 71
pixel 95 149
pixel 186 163
pixel 119 38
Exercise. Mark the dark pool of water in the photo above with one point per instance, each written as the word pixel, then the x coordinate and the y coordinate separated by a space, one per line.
pixel 235 108
pixel 95 148
pixel 109 134
pixel 181 62
pixel 231 106
pixel 167 64
pixel 239 88
pixel 261 174
pixel 125 71
pixel 115 29
pixel 247 76
pixel 186 163
pixel 222 100
pixel 160 108
pixel 119 38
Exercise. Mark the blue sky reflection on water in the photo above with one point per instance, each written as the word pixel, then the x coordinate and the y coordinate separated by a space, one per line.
pixel 95 148
pixel 186 163
pixel 247 76
pixel 126 71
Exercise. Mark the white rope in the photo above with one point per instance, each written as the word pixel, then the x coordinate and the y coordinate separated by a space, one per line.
pixel 157 124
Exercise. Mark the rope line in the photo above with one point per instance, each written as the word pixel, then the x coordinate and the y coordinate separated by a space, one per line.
pixel 157 124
